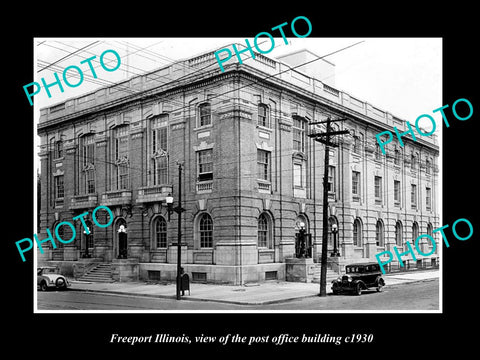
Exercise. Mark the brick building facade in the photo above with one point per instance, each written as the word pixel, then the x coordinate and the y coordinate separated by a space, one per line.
pixel 251 174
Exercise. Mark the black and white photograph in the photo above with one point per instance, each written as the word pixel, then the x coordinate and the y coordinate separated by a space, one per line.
pixel 285 181
pixel 226 178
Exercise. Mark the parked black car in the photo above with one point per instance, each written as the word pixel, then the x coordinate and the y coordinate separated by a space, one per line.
pixel 359 277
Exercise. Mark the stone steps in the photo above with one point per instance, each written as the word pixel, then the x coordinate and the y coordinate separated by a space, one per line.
pixel 100 273
pixel 331 275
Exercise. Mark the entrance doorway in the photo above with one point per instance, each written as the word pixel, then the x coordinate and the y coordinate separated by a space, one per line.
pixel 122 239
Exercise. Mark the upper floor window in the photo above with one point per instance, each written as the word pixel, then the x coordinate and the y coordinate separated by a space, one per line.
pixel 59 187
pixel 356 184
pixel 396 157
pixel 263 164
pixel 396 192
pixel 158 150
pixel 88 150
pixel 205 165
pixel 205 114
pixel 120 154
pixel 159 134
pixel 58 149
pixel 414 159
pixel 413 195
pixel 263 116
pixel 378 152
pixel 120 143
pixel 428 166
pixel 331 178
pixel 378 188
pixel 357 143
pixel 299 173
pixel 298 134
pixel 428 196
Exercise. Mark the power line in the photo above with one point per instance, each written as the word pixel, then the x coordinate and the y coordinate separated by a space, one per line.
pixel 67 56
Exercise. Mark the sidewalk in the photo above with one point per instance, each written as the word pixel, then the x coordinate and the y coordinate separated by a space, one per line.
pixel 249 294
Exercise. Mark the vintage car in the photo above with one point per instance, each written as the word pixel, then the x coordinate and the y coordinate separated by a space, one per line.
pixel 359 277
pixel 50 277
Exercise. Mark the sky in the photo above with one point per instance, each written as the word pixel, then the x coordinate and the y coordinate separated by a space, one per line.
pixel 400 75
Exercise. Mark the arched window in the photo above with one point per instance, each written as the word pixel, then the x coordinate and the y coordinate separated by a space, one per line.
pixel 379 234
pixel 357 233
pixel 414 231
pixel 430 232
pixel 398 233
pixel 205 229
pixel 160 232
pixel 264 231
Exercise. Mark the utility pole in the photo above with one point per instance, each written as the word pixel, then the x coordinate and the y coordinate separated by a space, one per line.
pixel 324 138
pixel 178 209
pixel 179 240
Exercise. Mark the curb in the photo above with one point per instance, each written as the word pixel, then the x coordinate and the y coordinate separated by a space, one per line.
pixel 223 301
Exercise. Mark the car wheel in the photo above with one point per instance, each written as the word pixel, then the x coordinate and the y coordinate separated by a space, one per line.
pixel 358 289
pixel 43 286
pixel 60 283
pixel 380 285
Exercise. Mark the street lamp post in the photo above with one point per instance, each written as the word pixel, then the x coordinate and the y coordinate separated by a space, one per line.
pixel 335 232
pixel 178 209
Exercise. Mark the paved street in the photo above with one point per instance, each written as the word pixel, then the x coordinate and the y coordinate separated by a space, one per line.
pixel 421 295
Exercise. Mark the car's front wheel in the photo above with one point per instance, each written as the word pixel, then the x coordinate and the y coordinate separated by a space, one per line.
pixel 43 286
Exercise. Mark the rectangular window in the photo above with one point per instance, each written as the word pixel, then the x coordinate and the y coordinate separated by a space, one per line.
pixel 159 134
pixel 298 175
pixel 263 116
pixel 205 165
pixel 263 165
pixel 58 149
pixel 356 183
pixel 413 196
pixel 160 170
pixel 88 152
pixel 378 188
pixel 122 177
pixel 378 152
pixel 90 181
pixel 205 114
pixel 298 135
pixel 158 150
pixel 59 188
pixel 428 198
pixel 121 147
pixel 331 178
pixel 396 191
